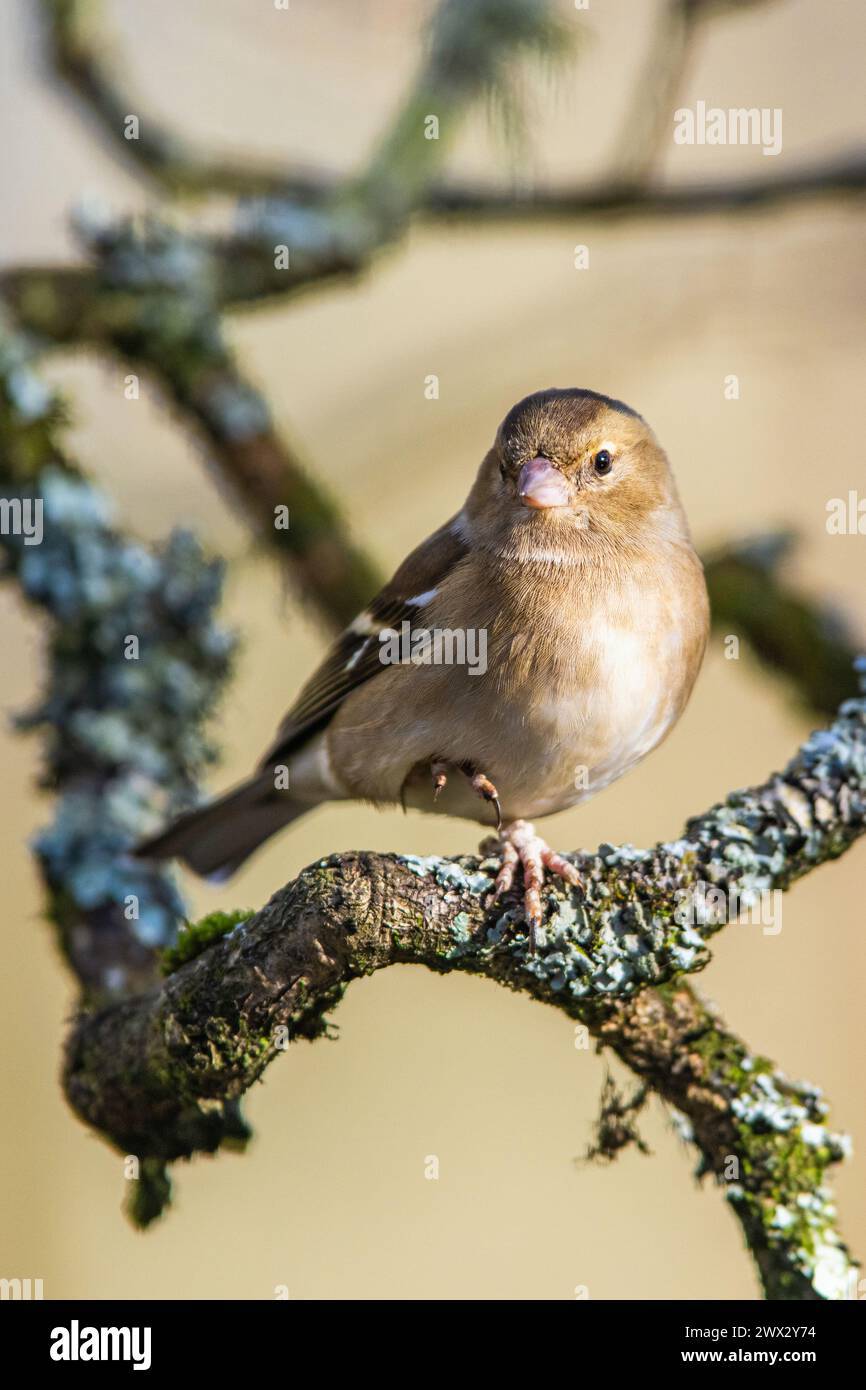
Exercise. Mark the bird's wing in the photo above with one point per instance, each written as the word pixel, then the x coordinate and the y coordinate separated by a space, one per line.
pixel 354 657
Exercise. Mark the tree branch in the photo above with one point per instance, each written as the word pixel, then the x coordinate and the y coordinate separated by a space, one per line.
pixel 763 1138
pixel 474 42
pixel 135 665
pixel 642 917
pixel 469 48
pixel 845 174
pixel 155 1073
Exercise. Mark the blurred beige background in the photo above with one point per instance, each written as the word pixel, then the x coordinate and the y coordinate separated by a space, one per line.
pixel 331 1199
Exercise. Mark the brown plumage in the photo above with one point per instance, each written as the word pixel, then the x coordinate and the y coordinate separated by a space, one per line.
pixel 572 561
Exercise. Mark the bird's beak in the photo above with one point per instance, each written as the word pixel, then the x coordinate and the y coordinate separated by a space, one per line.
pixel 539 484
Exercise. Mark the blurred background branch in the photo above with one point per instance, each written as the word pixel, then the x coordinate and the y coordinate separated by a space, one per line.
pixel 805 639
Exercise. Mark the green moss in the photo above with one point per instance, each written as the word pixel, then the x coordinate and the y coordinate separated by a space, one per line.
pixel 239 1048
pixel 195 937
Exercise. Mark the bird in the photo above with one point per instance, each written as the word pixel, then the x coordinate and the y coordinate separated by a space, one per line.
pixel 531 651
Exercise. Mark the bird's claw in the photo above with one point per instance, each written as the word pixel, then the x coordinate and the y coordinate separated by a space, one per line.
pixel 484 787
pixel 439 773
pixel 519 844
pixel 479 783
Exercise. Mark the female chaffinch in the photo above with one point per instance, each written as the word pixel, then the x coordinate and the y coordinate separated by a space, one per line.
pixel 523 657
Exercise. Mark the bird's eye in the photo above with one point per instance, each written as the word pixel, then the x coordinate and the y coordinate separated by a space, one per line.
pixel 602 463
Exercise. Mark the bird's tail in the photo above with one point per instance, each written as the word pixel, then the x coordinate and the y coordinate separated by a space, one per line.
pixel 216 839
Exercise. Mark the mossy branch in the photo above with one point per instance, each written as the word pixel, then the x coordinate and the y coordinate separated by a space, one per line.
pixel 155 1073
pixel 470 49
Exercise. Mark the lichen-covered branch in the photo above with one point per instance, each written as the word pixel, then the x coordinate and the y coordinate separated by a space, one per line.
pixel 471 43
pixel 61 302
pixel 155 1073
pixel 136 662
pixel 641 918
pixel 763 1138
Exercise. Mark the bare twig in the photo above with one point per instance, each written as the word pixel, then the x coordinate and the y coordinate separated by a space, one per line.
pixel 841 175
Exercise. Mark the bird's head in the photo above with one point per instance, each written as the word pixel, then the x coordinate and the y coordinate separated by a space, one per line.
pixel 571 466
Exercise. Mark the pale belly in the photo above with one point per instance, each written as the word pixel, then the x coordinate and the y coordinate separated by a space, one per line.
pixel 554 748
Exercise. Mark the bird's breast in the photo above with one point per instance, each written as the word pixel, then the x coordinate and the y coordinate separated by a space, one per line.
pixel 577 702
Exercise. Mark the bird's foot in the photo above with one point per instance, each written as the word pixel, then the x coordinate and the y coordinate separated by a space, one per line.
pixel 439 773
pixel 477 781
pixel 519 844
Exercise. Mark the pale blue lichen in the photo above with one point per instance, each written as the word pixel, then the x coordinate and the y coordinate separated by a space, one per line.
pixel 682 1125
pixel 329 237
pixel 125 739
pixel 448 873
